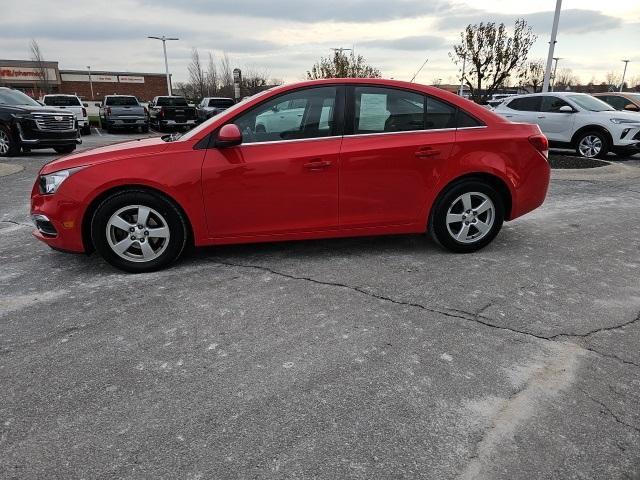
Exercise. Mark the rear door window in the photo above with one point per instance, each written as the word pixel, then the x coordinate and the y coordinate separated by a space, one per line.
pixel 526 104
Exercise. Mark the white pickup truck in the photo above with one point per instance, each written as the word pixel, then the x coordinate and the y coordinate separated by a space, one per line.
pixel 70 103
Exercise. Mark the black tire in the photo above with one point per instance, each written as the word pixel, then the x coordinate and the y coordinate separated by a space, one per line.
pixel 65 149
pixel 478 189
pixel 175 221
pixel 602 138
pixel 9 146
pixel 86 130
pixel 145 129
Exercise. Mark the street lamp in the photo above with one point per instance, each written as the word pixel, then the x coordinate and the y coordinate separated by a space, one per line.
pixel 552 46
pixel 624 74
pixel 90 81
pixel 166 63
pixel 555 68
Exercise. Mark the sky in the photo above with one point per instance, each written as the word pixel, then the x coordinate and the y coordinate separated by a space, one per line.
pixel 283 38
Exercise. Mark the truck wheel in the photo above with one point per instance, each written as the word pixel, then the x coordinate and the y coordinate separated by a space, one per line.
pixel 65 149
pixel 86 130
pixel 9 146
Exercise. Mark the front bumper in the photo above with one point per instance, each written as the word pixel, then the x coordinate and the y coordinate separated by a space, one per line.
pixel 35 138
pixel 57 220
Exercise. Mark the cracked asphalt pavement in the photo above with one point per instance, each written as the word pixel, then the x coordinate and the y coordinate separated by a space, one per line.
pixel 355 358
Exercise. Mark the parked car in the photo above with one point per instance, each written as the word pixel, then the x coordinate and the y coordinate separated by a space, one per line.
pixel 123 112
pixel 73 104
pixel 578 121
pixel 391 157
pixel 171 112
pixel 210 106
pixel 497 98
pixel 626 101
pixel 26 125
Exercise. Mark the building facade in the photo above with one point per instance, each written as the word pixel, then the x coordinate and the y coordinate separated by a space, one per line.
pixel 38 78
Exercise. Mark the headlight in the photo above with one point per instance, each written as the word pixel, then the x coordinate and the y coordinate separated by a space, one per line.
pixel 51 182
pixel 619 121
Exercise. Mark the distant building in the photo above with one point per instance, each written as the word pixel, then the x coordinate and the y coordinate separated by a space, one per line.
pixel 27 75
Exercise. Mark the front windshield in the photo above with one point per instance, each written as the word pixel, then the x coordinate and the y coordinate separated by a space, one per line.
pixel 591 103
pixel 634 96
pixel 230 110
pixel 16 98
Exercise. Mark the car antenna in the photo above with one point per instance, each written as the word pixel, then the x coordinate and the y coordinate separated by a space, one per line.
pixel 419 70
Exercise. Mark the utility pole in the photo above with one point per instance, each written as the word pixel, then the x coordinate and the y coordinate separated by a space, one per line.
pixel 90 81
pixel 553 85
pixel 164 40
pixel 624 74
pixel 552 46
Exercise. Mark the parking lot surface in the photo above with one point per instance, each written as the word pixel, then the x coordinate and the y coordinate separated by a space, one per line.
pixel 356 358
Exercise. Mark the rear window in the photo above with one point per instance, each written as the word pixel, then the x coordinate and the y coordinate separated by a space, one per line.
pixel 526 104
pixel 467 121
pixel 171 102
pixel 221 103
pixel 62 101
pixel 121 101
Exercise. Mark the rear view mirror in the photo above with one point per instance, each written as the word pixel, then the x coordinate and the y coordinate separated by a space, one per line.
pixel 229 136
pixel 98 104
pixel 632 107
pixel 566 109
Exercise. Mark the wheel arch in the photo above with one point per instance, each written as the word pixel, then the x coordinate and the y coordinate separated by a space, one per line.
pixel 93 205
pixel 493 180
pixel 591 128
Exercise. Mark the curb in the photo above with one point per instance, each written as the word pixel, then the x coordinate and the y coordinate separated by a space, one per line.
pixel 614 171
pixel 9 169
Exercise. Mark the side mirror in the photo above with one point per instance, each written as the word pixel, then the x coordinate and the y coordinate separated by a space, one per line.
pixel 85 105
pixel 98 104
pixel 566 109
pixel 632 107
pixel 229 136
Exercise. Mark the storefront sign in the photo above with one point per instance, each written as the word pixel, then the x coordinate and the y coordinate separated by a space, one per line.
pixel 130 79
pixel 26 74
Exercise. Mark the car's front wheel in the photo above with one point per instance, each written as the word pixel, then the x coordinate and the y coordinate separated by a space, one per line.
pixel 139 231
pixel 592 145
pixel 8 144
pixel 467 216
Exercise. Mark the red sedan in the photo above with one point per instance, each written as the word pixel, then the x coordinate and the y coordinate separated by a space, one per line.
pixel 321 159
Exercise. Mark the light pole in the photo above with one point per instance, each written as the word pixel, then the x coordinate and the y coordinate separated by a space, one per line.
pixel 624 74
pixel 555 68
pixel 166 63
pixel 552 46
pixel 90 81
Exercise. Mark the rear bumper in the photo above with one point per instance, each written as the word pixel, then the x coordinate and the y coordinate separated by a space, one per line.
pixel 127 122
pixel 176 123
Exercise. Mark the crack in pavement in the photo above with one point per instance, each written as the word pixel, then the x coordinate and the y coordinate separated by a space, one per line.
pixel 17 223
pixel 606 409
pixel 475 317
pixel 597 330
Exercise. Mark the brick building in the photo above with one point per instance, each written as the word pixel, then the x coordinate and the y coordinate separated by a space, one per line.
pixel 33 78
pixel 145 86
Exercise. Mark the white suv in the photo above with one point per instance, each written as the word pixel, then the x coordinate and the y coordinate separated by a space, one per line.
pixel 73 104
pixel 577 120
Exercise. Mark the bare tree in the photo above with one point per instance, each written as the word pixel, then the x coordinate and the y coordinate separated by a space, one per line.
pixel 226 76
pixel 565 78
pixel 342 65
pixel 492 55
pixel 196 74
pixel 634 82
pixel 532 75
pixel 41 66
pixel 212 80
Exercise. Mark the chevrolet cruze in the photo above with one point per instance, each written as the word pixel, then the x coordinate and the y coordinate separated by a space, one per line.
pixel 319 159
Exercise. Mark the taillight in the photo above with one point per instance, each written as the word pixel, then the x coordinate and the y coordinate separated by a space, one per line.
pixel 146 112
pixel 540 143
pixel 108 110
pixel 161 113
pixel 84 112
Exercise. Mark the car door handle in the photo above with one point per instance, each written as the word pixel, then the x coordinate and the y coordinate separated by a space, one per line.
pixel 427 152
pixel 317 165
pixel 541 116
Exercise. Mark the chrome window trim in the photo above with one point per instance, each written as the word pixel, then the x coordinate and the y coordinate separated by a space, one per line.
pixel 364 135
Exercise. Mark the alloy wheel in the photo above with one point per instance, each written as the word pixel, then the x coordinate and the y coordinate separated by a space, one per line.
pixel 470 217
pixel 590 146
pixel 4 142
pixel 138 233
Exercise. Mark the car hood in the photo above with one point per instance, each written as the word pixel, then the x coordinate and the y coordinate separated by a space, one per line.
pixel 32 109
pixel 118 151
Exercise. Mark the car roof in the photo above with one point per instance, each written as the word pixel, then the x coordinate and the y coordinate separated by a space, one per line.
pixel 60 95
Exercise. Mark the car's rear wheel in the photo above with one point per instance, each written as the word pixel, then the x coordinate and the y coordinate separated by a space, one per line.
pixel 8 144
pixel 139 231
pixel 592 144
pixel 467 216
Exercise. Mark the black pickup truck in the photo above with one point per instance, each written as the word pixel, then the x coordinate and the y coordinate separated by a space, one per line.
pixel 26 125
pixel 171 112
